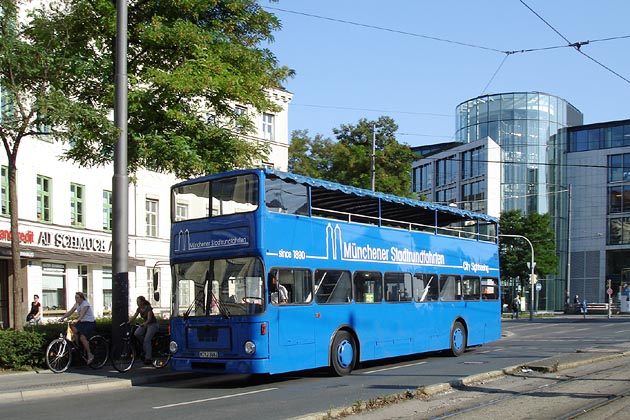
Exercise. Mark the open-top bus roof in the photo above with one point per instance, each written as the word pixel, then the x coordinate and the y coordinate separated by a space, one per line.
pixel 342 198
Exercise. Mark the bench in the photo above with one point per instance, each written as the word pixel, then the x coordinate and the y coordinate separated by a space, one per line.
pixel 593 308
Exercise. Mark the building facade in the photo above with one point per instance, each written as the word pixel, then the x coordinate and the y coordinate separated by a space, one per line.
pixel 598 162
pixel 516 142
pixel 65 223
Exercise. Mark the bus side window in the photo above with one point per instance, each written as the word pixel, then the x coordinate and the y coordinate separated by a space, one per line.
pixel 298 284
pixel 333 286
pixel 448 284
pixel 489 288
pixel 471 288
pixel 425 287
pixel 368 287
pixel 398 287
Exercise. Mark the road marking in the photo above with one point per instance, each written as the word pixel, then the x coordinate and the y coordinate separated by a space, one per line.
pixel 392 368
pixel 241 394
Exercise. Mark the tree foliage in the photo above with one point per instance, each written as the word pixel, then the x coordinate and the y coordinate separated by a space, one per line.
pixel 515 253
pixel 188 60
pixel 349 161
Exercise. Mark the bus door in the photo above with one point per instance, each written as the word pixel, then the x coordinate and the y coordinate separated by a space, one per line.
pixel 290 297
pixel 426 294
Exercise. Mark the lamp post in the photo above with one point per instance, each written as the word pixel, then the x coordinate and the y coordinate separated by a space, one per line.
pixel 532 265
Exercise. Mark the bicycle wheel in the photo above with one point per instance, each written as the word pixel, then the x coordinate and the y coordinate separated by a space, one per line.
pixel 100 350
pixel 58 355
pixel 161 353
pixel 123 356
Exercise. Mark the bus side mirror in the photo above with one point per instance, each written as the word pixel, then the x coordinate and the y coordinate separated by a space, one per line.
pixel 156 283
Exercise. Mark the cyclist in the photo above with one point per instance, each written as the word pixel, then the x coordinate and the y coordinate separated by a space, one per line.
pixel 85 324
pixel 145 332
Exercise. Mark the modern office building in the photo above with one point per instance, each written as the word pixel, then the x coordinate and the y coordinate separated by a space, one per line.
pixel 512 156
pixel 598 163
pixel 65 224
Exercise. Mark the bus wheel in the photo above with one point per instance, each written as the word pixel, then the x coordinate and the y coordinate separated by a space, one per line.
pixel 458 339
pixel 344 353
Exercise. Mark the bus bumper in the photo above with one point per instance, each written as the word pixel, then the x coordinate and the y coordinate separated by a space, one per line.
pixel 220 365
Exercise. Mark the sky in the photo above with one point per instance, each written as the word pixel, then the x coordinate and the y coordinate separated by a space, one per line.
pixel 416 60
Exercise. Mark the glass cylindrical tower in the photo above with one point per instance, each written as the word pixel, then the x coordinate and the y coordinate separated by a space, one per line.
pixel 529 128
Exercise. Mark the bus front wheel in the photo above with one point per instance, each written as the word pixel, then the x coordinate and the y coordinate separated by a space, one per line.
pixel 344 353
pixel 458 339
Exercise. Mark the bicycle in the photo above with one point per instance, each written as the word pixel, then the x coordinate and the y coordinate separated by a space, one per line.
pixel 125 353
pixel 59 351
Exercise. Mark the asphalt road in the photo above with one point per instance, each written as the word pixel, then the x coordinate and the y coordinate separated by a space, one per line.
pixel 304 393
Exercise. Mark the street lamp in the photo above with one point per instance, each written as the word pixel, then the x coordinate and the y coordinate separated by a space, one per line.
pixel 531 266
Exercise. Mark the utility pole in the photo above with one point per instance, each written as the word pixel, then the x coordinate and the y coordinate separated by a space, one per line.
pixel 373 157
pixel 120 182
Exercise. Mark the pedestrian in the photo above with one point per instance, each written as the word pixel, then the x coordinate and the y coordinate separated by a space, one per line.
pixel 35 315
pixel 145 331
pixel 577 307
pixel 516 307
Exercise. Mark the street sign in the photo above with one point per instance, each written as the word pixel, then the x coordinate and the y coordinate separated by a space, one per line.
pixel 538 287
pixel 609 291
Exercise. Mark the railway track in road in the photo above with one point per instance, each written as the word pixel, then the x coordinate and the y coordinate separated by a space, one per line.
pixel 588 392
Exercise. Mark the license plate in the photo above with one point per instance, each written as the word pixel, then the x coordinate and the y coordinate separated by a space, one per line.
pixel 209 354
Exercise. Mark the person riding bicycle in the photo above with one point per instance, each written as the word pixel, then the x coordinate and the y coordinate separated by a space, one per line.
pixel 145 332
pixel 85 324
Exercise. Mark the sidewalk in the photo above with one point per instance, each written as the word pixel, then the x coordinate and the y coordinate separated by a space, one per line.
pixel 34 385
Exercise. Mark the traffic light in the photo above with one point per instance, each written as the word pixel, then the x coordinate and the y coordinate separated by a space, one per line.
pixel 533 278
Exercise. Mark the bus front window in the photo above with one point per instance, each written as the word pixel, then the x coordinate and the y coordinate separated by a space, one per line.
pixel 221 287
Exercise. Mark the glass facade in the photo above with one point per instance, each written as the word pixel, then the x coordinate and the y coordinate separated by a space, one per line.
pixel 523 125
pixel 530 128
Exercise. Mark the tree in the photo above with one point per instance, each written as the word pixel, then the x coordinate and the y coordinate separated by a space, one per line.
pixel 515 252
pixel 310 156
pixel 187 60
pixel 348 161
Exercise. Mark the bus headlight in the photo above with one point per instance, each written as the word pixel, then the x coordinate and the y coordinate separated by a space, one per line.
pixel 173 347
pixel 250 347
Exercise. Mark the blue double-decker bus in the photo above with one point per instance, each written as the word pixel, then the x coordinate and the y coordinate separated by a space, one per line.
pixel 275 272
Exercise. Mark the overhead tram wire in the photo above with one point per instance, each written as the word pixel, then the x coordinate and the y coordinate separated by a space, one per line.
pixel 380 28
pixel 465 44
pixel 576 45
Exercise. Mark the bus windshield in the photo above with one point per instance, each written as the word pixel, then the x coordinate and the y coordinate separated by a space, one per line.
pixel 220 197
pixel 221 287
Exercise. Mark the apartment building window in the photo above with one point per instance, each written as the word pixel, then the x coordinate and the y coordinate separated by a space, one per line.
pixel 4 194
pixel 151 216
pixel 43 130
pixel 76 205
pixel 53 286
pixel 6 106
pixel 239 112
pixel 83 279
pixel 181 212
pixel 44 199
pixel 107 288
pixel 268 126
pixel 107 211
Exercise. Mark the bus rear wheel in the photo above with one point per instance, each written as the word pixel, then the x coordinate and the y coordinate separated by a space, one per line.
pixel 343 356
pixel 458 339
